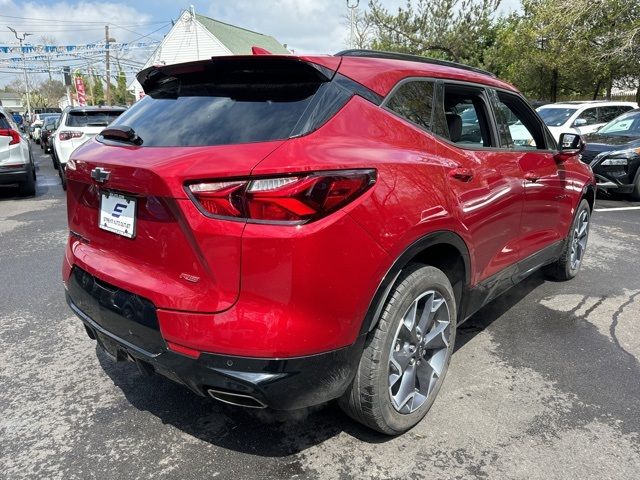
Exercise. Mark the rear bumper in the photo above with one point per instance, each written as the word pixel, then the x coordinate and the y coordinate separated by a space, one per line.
pixel 19 175
pixel 278 383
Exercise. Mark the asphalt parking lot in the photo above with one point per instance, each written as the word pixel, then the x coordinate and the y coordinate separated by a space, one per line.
pixel 545 383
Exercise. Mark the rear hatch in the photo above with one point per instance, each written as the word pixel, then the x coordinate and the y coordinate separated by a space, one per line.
pixel 88 123
pixel 201 121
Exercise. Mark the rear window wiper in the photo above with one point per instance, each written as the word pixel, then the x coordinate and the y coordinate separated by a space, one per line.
pixel 121 133
pixel 97 124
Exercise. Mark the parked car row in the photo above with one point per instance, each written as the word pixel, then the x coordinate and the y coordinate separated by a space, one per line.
pixel 73 128
pixel 610 130
pixel 16 162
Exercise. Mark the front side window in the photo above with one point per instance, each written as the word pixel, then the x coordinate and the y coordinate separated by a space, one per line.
pixel 413 100
pixel 526 133
pixel 590 116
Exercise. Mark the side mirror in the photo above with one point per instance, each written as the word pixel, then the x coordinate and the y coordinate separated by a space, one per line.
pixel 580 122
pixel 571 145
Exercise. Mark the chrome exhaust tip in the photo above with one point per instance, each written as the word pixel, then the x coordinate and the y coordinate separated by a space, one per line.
pixel 237 399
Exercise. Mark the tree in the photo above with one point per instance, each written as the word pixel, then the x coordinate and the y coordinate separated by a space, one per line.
pixel 121 95
pixel 579 50
pixel 15 86
pixel 458 30
pixel 52 90
pixel 98 91
pixel 362 29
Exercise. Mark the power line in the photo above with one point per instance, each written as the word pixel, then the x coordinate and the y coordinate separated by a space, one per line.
pixel 77 22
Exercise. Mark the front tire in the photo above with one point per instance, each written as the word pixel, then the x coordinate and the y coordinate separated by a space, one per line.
pixel 407 355
pixel 635 193
pixel 569 263
pixel 63 177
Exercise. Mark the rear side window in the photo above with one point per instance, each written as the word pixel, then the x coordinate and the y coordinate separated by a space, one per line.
pixel 413 100
pixel 90 118
pixel 4 124
pixel 233 102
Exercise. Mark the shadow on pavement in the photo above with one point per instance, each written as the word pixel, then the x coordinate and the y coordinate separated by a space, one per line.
pixel 263 432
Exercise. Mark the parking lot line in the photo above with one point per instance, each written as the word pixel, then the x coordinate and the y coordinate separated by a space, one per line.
pixel 616 209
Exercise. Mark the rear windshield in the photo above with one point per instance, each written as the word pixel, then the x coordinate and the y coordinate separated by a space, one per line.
pixel 100 118
pixel 234 103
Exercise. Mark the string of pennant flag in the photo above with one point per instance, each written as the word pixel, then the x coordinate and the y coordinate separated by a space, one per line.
pixel 65 49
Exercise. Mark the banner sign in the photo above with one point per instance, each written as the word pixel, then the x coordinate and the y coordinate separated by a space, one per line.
pixel 82 98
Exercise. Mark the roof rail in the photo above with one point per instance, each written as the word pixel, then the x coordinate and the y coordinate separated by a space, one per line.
pixel 410 58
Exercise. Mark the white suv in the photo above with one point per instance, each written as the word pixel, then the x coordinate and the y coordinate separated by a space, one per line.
pixel 78 125
pixel 16 164
pixel 581 117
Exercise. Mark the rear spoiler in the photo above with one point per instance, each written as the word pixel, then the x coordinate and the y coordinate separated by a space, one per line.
pixel 161 78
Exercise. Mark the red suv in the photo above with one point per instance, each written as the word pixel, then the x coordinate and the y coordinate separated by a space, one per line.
pixel 280 231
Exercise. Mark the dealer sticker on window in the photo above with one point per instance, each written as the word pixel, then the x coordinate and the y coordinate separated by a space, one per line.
pixel 118 214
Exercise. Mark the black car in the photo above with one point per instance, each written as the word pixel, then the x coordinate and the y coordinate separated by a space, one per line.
pixel 614 154
pixel 48 127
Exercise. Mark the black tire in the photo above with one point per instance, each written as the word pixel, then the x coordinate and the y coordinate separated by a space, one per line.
pixel 54 159
pixel 63 177
pixel 368 398
pixel 635 193
pixel 28 188
pixel 564 269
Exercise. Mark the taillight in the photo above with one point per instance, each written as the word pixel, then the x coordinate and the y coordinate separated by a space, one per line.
pixel 69 135
pixel 294 200
pixel 15 136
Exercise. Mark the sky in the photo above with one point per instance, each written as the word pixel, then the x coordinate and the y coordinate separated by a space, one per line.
pixel 307 26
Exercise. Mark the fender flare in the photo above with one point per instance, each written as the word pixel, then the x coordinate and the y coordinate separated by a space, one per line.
pixel 440 237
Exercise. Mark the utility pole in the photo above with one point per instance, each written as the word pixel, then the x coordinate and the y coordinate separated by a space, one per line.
pixel 107 96
pixel 24 66
pixel 353 7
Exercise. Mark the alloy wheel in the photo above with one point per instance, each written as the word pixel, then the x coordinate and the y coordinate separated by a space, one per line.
pixel 579 239
pixel 419 352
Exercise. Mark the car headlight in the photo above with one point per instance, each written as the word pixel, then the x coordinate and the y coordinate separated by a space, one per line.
pixel 619 157
pixel 615 161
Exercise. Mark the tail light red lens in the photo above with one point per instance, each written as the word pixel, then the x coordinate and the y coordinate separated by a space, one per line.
pixel 68 135
pixel 15 136
pixel 293 200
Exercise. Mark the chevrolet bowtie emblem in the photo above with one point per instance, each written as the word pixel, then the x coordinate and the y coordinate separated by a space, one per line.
pixel 100 175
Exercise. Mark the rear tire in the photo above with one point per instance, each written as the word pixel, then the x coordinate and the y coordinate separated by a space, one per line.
pixel 568 265
pixel 28 188
pixel 407 354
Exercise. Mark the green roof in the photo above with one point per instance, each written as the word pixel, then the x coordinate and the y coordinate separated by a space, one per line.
pixel 240 40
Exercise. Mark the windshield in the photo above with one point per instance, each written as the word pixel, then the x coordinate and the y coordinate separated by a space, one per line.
pixel 627 125
pixel 555 117
pixel 91 118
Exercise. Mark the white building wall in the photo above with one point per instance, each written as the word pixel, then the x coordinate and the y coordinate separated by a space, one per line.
pixel 187 41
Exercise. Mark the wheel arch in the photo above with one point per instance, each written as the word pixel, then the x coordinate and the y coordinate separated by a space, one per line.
pixel 589 194
pixel 443 249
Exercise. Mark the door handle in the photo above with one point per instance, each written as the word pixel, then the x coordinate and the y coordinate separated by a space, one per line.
pixel 531 177
pixel 462 174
